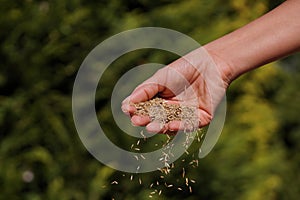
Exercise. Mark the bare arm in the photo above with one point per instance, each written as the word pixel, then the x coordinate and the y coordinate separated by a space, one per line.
pixel 268 38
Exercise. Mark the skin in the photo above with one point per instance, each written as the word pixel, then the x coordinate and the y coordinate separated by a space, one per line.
pixel 266 39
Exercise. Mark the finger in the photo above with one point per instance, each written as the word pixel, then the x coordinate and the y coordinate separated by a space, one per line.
pixel 174 125
pixel 140 120
pixel 145 92
pixel 127 108
pixel 204 118
pixel 155 127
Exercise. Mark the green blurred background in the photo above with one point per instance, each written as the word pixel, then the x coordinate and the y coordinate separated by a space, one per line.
pixel 43 44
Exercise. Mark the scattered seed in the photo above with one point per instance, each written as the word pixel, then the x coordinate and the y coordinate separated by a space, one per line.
pixel 114 183
pixel 186 181
pixel 142 134
pixel 159 193
pixel 172 165
pixel 167 165
pixel 162 112
pixel 169 138
pixel 201 135
pixel 159 110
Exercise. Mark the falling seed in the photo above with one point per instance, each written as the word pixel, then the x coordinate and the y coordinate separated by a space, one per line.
pixel 157 183
pixel 171 154
pixel 138 167
pixel 136 157
pixel 114 183
pixel 138 142
pixel 170 185
pixel 179 188
pixel 186 181
pixel 131 177
pixel 190 188
pixel 162 177
pixel 159 193
pixel 142 134
pixel 132 146
pixel 137 149
pixel 165 170
pixel 167 165
pixel 142 156
pixel 151 185
pixel 193 181
pixel 169 138
pixel 140 181
pixel 183 172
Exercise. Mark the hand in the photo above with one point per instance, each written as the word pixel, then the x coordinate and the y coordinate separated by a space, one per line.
pixel 196 80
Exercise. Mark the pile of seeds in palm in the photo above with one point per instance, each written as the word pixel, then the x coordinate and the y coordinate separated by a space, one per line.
pixel 159 110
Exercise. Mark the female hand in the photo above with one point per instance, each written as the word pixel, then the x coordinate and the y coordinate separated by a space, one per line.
pixel 196 80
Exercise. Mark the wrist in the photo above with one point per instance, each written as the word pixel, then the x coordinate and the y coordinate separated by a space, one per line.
pixel 224 66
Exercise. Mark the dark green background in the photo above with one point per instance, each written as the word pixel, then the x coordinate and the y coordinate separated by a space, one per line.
pixel 43 44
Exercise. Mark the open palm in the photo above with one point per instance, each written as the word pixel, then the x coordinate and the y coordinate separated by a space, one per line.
pixel 195 80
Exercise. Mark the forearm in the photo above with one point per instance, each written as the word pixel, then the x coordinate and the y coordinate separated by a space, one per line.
pixel 268 38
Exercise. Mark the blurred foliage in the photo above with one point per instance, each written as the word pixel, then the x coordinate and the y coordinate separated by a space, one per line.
pixel 43 44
